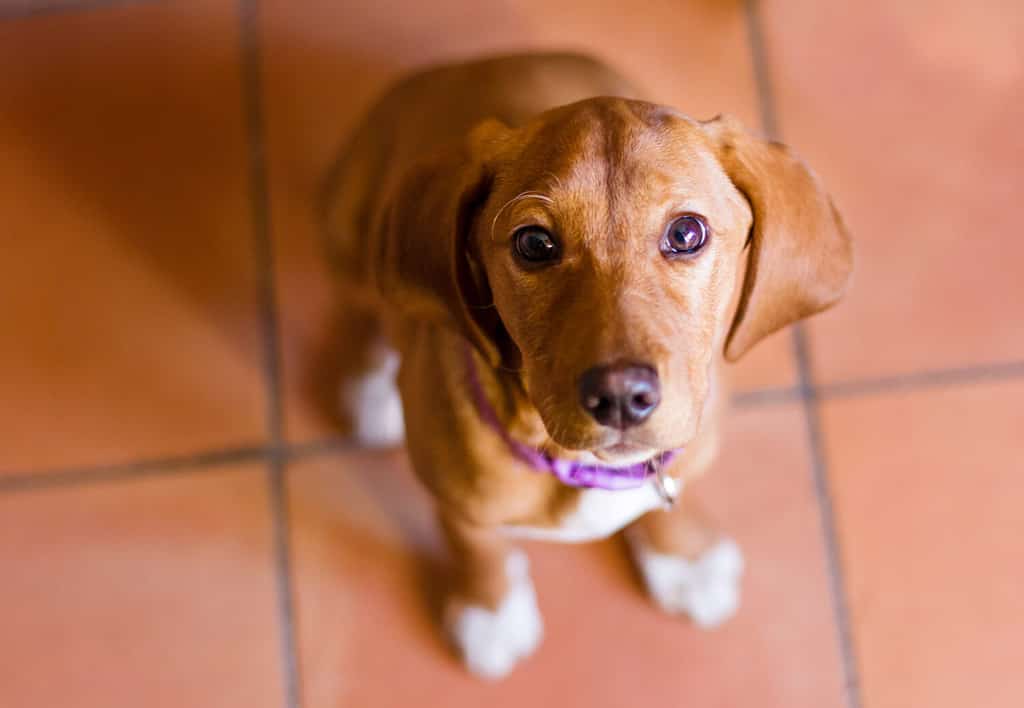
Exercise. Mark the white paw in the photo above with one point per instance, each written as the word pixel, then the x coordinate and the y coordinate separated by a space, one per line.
pixel 492 641
pixel 707 589
pixel 375 405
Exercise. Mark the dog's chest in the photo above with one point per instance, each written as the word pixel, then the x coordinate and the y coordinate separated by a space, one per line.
pixel 598 513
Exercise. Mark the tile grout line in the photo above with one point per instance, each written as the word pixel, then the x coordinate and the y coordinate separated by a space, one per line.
pixel 252 90
pixel 959 377
pixel 758 57
pixel 192 463
pixel 333 445
pixel 136 469
pixel 809 398
pixel 761 397
pixel 826 511
pixel 922 380
pixel 31 9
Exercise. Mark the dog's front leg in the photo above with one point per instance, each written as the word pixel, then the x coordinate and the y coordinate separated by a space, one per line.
pixel 491 614
pixel 689 567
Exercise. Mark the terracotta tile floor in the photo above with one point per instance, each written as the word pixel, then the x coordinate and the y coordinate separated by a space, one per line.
pixel 179 525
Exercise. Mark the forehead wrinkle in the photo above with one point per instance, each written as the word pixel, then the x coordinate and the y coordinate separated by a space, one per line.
pixel 631 152
pixel 611 149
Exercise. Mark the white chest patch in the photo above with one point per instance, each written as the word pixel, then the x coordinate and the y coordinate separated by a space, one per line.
pixel 599 514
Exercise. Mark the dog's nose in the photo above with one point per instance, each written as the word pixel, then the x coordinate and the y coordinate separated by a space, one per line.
pixel 621 395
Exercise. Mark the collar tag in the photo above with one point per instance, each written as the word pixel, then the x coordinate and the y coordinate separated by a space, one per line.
pixel 668 487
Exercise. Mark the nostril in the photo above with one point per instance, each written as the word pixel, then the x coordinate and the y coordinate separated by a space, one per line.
pixel 602 408
pixel 643 400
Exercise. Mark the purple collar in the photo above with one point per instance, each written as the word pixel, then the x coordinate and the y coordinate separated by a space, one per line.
pixel 571 472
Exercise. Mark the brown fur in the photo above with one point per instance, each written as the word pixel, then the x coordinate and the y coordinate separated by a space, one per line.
pixel 420 213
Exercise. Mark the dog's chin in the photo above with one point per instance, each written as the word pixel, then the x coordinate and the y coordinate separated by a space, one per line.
pixel 623 454
pixel 611 453
pixel 598 446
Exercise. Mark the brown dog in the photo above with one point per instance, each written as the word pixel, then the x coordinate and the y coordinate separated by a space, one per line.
pixel 557 267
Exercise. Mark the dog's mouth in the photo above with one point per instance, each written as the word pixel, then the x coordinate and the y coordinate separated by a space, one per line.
pixel 624 453
pixel 610 449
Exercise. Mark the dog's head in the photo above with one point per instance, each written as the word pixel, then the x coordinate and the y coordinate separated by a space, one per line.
pixel 609 250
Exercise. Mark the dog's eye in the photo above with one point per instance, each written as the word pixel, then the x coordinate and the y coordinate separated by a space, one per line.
pixel 686 236
pixel 535 245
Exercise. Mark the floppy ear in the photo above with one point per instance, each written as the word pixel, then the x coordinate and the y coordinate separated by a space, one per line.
pixel 423 261
pixel 800 252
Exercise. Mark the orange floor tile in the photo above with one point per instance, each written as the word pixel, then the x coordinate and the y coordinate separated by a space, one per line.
pixel 179 523
pixel 156 591
pixel 127 280
pixel 928 490
pixel 911 111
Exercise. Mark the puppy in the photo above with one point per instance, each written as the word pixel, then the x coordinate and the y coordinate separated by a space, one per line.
pixel 554 270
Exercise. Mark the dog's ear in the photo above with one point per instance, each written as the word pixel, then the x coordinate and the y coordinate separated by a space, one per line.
pixel 423 258
pixel 800 255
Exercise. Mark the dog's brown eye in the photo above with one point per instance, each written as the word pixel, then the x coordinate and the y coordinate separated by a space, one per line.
pixel 687 235
pixel 535 245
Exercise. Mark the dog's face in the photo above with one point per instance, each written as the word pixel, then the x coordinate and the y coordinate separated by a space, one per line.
pixel 602 249
pixel 610 243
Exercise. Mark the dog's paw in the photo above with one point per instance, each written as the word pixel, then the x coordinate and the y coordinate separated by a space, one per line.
pixel 374 404
pixel 707 589
pixel 491 642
